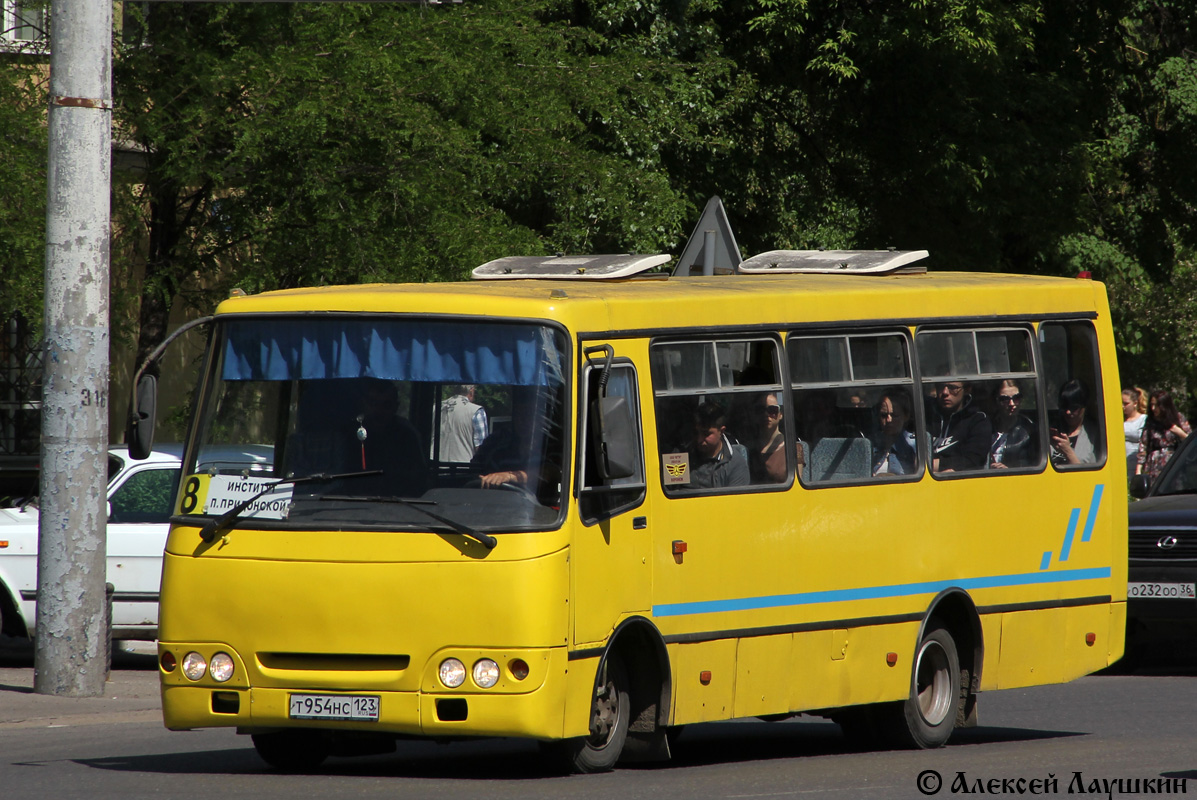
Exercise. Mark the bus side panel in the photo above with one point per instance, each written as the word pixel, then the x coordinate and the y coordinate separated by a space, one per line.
pixel 868 676
pixel 1051 646
pixel 763 675
pixel 579 696
pixel 991 634
pixel 695 700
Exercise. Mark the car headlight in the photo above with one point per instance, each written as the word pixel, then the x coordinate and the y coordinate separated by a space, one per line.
pixel 194 666
pixel 486 673
pixel 452 672
pixel 221 668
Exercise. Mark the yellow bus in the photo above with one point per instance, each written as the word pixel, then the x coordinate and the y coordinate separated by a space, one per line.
pixel 581 502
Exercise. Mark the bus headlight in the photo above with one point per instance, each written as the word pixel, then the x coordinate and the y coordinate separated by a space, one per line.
pixel 452 673
pixel 486 673
pixel 221 668
pixel 194 666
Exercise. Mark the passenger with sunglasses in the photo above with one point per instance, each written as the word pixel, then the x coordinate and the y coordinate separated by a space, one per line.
pixel 1013 443
pixel 960 436
pixel 766 455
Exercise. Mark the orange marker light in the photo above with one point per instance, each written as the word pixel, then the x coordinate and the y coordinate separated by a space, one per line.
pixel 704 677
pixel 679 547
pixel 891 658
pixel 1090 638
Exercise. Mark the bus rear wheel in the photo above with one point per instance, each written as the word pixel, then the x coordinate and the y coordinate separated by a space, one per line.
pixel 610 715
pixel 926 719
pixel 292 751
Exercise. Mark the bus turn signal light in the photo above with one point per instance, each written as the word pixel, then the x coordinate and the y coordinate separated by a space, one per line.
pixel 1090 638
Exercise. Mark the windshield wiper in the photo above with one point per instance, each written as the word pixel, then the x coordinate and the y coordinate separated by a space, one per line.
pixel 214 526
pixel 485 539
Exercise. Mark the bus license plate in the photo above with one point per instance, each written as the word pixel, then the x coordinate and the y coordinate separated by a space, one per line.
pixel 1164 591
pixel 335 707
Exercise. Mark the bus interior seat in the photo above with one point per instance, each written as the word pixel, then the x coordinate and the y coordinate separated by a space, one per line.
pixel 839 459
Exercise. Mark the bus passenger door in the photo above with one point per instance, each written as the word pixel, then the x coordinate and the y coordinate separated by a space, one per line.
pixel 610 568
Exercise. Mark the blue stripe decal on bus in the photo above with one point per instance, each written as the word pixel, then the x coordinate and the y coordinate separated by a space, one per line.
pixel 876 592
pixel 1093 504
pixel 1074 518
pixel 1066 548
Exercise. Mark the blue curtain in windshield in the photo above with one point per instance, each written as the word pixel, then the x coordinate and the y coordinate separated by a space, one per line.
pixel 456 352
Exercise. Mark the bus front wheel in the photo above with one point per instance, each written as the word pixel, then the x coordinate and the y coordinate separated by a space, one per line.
pixel 609 720
pixel 928 716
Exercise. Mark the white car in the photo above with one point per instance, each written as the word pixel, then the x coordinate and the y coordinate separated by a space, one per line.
pixel 140 499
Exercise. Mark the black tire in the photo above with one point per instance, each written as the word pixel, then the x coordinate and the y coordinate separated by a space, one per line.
pixel 609 719
pixel 292 751
pixel 926 719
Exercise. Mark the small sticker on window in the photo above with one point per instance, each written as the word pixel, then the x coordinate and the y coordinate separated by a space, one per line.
pixel 675 468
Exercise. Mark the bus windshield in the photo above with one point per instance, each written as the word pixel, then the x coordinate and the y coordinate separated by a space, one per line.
pixel 463 418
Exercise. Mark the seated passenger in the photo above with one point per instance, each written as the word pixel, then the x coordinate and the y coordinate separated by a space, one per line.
pixel 714 461
pixel 894 451
pixel 959 433
pixel 1074 439
pixel 766 454
pixel 1014 442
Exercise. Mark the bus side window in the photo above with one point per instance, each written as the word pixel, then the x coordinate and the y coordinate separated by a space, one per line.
pixel 980 391
pixel 600 498
pixel 1072 377
pixel 721 416
pixel 855 414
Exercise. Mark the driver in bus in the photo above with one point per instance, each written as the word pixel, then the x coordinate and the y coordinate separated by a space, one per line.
pixel 521 453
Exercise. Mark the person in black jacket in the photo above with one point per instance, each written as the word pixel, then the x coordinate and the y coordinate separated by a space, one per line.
pixel 960 435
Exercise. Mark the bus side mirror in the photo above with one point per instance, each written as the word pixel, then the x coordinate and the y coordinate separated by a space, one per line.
pixel 615 437
pixel 140 432
pixel 1138 486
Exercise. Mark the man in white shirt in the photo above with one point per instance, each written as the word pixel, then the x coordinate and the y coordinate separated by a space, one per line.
pixel 463 425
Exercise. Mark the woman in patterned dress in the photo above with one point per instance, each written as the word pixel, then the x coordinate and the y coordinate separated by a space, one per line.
pixel 1163 432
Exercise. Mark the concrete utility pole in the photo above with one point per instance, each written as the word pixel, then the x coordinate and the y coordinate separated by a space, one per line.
pixel 72 637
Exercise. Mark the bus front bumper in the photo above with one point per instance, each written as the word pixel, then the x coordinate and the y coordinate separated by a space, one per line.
pixel 535 715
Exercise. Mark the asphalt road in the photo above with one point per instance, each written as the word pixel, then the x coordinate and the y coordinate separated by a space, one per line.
pixel 1137 727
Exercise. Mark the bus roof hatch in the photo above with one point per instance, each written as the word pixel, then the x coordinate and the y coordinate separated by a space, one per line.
pixel 562 267
pixel 836 262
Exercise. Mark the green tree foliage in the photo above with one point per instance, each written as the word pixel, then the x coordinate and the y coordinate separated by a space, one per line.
pixel 23 153
pixel 304 144
pixel 299 144
pixel 1137 227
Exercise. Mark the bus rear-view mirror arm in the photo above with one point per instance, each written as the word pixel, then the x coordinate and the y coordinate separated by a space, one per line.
pixel 615 435
pixel 143 403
